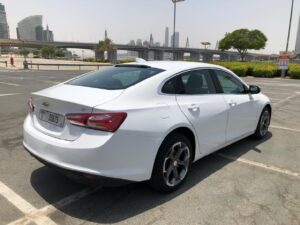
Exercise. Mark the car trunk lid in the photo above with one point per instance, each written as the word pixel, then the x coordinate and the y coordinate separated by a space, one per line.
pixel 53 104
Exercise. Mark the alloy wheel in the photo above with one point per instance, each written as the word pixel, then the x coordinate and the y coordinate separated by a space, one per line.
pixel 176 164
pixel 264 123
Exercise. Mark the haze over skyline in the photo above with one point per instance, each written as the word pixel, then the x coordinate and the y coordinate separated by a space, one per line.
pixel 125 20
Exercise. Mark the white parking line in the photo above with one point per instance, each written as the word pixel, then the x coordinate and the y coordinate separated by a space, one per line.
pixel 2 95
pixel 273 84
pixel 10 84
pixel 286 99
pixel 277 93
pixel 21 204
pixel 285 128
pixel 261 165
pixel 40 215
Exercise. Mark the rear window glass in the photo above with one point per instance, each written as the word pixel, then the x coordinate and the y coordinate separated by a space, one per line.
pixel 115 78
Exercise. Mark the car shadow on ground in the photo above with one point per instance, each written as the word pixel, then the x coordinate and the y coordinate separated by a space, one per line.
pixel 112 205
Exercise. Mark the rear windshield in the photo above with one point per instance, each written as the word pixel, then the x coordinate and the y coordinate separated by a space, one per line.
pixel 115 78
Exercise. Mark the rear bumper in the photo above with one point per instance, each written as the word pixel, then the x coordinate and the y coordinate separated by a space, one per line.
pixel 83 177
pixel 122 155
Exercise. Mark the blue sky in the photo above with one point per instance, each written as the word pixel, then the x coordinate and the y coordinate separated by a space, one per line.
pixel 200 20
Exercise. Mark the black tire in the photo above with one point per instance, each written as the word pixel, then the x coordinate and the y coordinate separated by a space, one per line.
pixel 263 124
pixel 167 162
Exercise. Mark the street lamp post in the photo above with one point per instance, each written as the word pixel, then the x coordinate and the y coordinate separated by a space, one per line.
pixel 289 32
pixel 174 25
pixel 205 44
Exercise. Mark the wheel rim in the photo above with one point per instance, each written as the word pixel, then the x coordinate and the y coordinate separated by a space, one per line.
pixel 176 164
pixel 264 123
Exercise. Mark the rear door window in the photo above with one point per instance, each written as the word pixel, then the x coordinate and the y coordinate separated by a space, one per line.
pixel 194 82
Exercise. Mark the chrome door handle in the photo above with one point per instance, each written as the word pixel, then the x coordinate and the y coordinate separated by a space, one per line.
pixel 193 107
pixel 232 103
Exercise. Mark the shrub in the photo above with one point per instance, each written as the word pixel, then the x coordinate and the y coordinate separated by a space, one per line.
pixel 264 71
pixel 259 69
pixel 294 71
pixel 239 70
pixel 90 59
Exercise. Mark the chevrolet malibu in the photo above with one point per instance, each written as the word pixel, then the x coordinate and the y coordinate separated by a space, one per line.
pixel 145 121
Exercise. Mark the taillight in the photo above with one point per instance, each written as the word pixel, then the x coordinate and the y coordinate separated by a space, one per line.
pixel 30 105
pixel 99 121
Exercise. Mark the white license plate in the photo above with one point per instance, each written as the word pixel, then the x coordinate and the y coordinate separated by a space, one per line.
pixel 53 118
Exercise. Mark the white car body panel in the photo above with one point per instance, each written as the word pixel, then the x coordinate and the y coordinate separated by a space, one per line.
pixel 208 115
pixel 130 152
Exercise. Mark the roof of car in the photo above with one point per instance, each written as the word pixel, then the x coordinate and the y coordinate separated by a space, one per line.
pixel 170 65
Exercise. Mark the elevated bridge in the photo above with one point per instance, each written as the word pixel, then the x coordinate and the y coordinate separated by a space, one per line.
pixel 143 51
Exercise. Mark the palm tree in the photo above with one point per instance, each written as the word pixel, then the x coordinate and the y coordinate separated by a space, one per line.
pixel 105 46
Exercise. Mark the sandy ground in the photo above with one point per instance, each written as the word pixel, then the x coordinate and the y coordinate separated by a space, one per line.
pixel 18 64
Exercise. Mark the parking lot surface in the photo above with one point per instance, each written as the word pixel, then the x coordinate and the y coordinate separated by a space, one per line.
pixel 249 182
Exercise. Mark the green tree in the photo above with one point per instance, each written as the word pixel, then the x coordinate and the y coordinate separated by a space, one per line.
pixel 243 40
pixel 59 53
pixel 36 52
pixel 104 46
pixel 24 52
pixel 47 52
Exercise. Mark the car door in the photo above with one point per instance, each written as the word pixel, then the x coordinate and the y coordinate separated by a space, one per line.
pixel 241 106
pixel 203 107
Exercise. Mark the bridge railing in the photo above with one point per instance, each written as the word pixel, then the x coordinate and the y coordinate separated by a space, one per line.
pixel 38 66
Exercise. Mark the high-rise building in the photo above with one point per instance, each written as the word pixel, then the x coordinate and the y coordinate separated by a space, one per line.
pixel 166 44
pixel 139 42
pixel 151 43
pixel 4 29
pixel 187 44
pixel 176 45
pixel 27 27
pixel 31 28
pixel 105 34
pixel 39 32
pixel 48 35
pixel 132 43
pixel 297 49
pixel 146 43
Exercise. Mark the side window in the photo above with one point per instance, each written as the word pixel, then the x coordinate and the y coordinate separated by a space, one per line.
pixel 170 86
pixel 229 83
pixel 191 83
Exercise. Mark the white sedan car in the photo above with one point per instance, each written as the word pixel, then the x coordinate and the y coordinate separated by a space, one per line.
pixel 142 121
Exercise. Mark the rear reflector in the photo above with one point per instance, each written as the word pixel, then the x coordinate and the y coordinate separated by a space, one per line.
pixel 30 105
pixel 99 121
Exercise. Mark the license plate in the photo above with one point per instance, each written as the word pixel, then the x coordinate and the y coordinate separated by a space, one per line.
pixel 53 118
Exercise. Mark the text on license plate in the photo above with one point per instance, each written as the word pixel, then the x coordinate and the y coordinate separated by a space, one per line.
pixel 53 118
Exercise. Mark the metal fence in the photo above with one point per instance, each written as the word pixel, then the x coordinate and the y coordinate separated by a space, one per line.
pixel 5 62
pixel 39 66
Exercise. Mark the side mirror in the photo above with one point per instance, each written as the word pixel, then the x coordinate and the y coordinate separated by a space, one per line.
pixel 253 89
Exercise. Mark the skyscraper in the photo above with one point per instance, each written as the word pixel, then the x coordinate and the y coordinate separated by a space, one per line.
pixel 31 28
pixel 105 34
pixel 4 29
pixel 187 44
pixel 166 44
pixel 151 43
pixel 27 27
pixel 48 35
pixel 39 33
pixel 176 40
pixel 297 49
pixel 139 42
